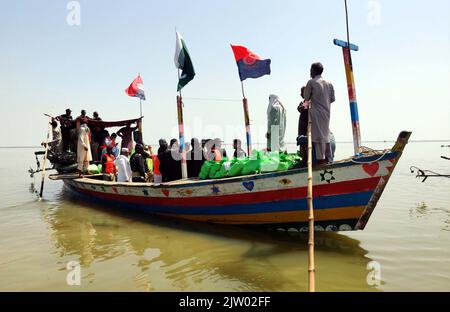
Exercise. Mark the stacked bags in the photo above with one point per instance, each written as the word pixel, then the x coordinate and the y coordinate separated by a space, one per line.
pixel 260 162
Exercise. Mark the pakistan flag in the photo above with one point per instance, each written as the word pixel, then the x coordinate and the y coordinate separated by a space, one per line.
pixel 183 62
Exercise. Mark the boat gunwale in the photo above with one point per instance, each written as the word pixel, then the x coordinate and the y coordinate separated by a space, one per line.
pixel 386 155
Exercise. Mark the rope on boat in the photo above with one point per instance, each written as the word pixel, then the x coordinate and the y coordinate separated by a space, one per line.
pixel 368 149
pixel 425 174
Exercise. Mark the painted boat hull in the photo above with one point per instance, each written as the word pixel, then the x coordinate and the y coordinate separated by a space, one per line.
pixel 345 195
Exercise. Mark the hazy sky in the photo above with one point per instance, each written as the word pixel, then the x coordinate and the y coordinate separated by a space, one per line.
pixel 401 70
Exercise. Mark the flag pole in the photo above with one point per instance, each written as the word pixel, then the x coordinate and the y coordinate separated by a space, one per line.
pixel 139 124
pixel 346 50
pixel 141 135
pixel 184 174
pixel 247 121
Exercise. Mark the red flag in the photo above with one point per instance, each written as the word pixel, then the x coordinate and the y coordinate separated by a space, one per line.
pixel 136 88
pixel 249 64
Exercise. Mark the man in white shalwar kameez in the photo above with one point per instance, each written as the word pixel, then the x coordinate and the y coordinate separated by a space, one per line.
pixel 276 124
pixel 84 155
pixel 122 162
pixel 321 94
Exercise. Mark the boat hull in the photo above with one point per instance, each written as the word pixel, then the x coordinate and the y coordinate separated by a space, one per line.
pixel 345 195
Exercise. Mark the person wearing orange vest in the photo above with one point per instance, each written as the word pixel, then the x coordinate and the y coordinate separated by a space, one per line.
pixel 108 165
pixel 218 151
pixel 157 177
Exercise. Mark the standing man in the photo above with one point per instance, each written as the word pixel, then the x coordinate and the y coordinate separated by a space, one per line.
pixel 82 119
pixel 126 133
pixel 321 94
pixel 56 144
pixel 66 123
pixel 276 124
pixel 96 141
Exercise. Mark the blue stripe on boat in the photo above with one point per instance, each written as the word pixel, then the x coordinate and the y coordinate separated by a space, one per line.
pixel 322 202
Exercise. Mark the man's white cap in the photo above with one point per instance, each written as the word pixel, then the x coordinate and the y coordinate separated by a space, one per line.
pixel 124 150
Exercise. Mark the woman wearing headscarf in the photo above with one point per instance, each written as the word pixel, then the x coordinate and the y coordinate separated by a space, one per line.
pixel 195 158
pixel 159 166
pixel 276 124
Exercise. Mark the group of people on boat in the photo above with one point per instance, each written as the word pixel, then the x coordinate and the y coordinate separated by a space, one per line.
pixel 134 161
pixel 317 95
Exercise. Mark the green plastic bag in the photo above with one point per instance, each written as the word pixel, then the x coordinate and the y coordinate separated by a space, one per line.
pixel 204 171
pixel 236 168
pixel 283 166
pixel 251 167
pixel 93 169
pixel 223 171
pixel 270 164
pixel 214 168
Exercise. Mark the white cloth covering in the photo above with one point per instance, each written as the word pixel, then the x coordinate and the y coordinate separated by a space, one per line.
pixel 84 155
pixel 276 124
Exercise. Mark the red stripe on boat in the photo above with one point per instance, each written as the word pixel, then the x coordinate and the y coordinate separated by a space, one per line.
pixel 336 188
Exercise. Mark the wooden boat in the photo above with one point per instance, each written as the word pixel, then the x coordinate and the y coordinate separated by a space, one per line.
pixel 345 194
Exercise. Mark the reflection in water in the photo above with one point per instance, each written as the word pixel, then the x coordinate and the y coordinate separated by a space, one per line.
pixel 155 254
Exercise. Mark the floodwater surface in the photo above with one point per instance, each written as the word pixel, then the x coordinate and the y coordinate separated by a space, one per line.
pixel 405 246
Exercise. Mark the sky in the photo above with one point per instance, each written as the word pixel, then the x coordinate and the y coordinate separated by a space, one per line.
pixel 48 65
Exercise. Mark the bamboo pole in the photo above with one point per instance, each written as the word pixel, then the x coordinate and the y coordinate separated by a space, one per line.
pixel 248 133
pixel 311 266
pixel 45 159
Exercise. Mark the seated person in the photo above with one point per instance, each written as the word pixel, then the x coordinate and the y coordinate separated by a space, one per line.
pixel 108 165
pixel 123 166
pixel 138 164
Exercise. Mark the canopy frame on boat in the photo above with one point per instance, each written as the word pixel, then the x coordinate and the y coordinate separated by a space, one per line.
pixel 110 124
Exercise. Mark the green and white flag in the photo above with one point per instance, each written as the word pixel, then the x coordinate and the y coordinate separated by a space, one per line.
pixel 183 62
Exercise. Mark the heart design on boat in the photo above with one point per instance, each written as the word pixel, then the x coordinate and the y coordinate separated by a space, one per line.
pixel 249 185
pixel 165 192
pixel 371 168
